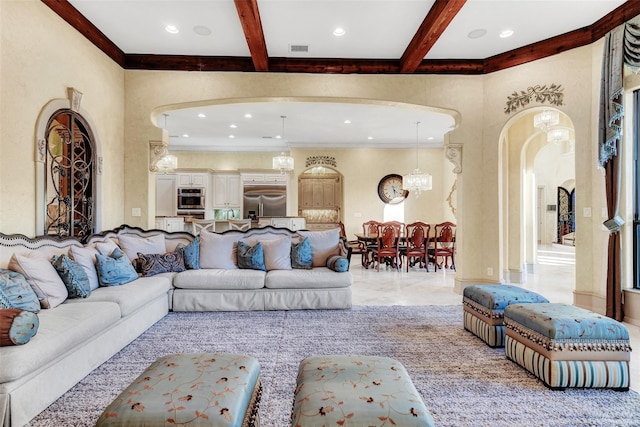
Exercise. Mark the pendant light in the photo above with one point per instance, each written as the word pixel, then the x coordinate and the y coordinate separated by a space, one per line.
pixel 417 181
pixel 283 162
pixel 164 162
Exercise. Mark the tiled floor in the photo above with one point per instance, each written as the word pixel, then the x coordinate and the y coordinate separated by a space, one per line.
pixel 554 278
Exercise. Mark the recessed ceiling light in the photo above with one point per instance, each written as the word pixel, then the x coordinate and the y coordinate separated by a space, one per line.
pixel 347 122
pixel 476 34
pixel 232 126
pixel 201 30
pixel 232 136
pixel 339 32
pixel 202 115
pixel 278 137
pixel 430 138
pixel 172 29
pixel 247 116
pixel 369 137
pixel 506 33
pixel 185 135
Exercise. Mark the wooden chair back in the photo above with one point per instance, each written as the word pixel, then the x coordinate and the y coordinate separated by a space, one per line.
pixel 370 228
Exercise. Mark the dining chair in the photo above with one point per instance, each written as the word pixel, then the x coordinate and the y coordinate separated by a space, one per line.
pixel 445 244
pixel 416 236
pixel 198 225
pixel 369 228
pixel 388 245
pixel 239 224
pixel 357 247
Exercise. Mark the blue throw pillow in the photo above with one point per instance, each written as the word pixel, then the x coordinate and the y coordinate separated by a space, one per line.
pixel 338 263
pixel 115 269
pixel 301 256
pixel 152 264
pixel 251 257
pixel 73 276
pixel 191 254
pixel 15 292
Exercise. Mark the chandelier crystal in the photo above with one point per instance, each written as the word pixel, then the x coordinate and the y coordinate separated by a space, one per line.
pixel 167 163
pixel 558 135
pixel 546 120
pixel 283 162
pixel 417 181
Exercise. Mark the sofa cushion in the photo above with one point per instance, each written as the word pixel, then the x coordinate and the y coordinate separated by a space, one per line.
pixel 132 295
pixel 250 257
pixel 152 264
pixel 17 326
pixel 15 292
pixel 115 269
pixel 73 276
pixel 60 330
pixel 318 277
pixel 301 254
pixel 277 253
pixel 131 245
pixel 338 264
pixel 220 279
pixel 42 277
pixel 217 251
pixel 191 254
pixel 86 257
pixel 323 245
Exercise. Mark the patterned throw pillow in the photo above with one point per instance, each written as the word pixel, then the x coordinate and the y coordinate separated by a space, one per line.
pixel 152 264
pixel 17 326
pixel 73 276
pixel 191 254
pixel 115 269
pixel 338 263
pixel 301 254
pixel 251 257
pixel 15 292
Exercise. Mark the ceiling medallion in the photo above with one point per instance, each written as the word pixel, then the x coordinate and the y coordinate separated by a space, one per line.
pixel 542 94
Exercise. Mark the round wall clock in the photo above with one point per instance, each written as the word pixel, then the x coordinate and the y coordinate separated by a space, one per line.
pixel 390 189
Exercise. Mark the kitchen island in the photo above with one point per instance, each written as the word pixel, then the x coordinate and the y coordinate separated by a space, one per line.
pixel 293 223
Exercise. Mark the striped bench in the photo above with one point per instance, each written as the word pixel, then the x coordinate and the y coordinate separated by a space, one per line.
pixel 484 306
pixel 566 346
pixel 356 391
pixel 199 389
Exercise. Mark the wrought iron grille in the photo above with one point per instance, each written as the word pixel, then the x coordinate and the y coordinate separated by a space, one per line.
pixel 70 169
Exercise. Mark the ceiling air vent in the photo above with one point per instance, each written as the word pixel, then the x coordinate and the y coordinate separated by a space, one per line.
pixel 298 48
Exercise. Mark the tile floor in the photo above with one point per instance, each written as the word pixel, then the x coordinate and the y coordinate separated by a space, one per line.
pixel 554 278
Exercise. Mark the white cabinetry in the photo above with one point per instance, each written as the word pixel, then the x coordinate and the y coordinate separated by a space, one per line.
pixel 170 224
pixel 226 191
pixel 293 224
pixel 166 195
pixel 192 179
pixel 264 178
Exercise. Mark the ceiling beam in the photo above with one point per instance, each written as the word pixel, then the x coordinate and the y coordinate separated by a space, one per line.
pixel 434 24
pixel 70 14
pixel 252 25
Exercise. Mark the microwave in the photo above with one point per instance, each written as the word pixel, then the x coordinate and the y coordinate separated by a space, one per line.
pixel 191 198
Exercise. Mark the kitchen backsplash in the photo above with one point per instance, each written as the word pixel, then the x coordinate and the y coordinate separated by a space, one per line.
pixel 320 215
pixel 226 214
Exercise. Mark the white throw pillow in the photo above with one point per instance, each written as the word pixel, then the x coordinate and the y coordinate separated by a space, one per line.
pixel 106 247
pixel 131 245
pixel 217 250
pixel 323 245
pixel 86 257
pixel 42 276
pixel 277 253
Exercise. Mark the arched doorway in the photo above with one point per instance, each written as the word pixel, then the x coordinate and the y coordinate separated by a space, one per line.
pixel 320 197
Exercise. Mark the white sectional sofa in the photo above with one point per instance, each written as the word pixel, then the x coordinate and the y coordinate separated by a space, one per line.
pixel 80 334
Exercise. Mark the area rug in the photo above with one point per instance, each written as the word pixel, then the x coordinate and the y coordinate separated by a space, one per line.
pixel 463 382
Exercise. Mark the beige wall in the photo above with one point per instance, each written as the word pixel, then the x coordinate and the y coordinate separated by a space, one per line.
pixel 42 56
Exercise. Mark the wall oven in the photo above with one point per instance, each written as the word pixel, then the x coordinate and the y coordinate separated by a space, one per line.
pixel 191 198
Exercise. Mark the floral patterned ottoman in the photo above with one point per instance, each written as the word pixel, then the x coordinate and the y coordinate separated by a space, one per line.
pixel 484 306
pixel 567 346
pixel 202 389
pixel 341 390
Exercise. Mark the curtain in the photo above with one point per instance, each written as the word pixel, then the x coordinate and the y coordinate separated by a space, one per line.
pixel 610 117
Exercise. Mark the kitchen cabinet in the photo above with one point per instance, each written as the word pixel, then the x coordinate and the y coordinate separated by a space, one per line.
pixel 226 191
pixel 166 195
pixel 170 224
pixel 319 193
pixel 292 223
pixel 264 178
pixel 192 179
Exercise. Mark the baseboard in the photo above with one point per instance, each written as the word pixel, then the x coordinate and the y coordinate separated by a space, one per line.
pixel 589 301
pixel 632 306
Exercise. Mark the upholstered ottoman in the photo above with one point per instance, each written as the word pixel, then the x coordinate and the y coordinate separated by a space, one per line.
pixel 356 391
pixel 483 307
pixel 566 346
pixel 205 389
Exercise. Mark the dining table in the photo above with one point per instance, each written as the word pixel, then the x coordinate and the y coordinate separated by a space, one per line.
pixel 371 239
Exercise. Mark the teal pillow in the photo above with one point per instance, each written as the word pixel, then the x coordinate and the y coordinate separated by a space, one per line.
pixel 251 257
pixel 191 254
pixel 152 264
pixel 115 269
pixel 15 292
pixel 301 254
pixel 73 276
pixel 338 263
pixel 17 326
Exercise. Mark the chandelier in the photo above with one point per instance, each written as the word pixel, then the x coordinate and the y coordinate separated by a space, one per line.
pixel 162 161
pixel 283 162
pixel 545 120
pixel 558 135
pixel 167 163
pixel 416 181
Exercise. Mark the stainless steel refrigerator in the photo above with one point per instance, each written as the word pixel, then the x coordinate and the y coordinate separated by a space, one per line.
pixel 264 200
